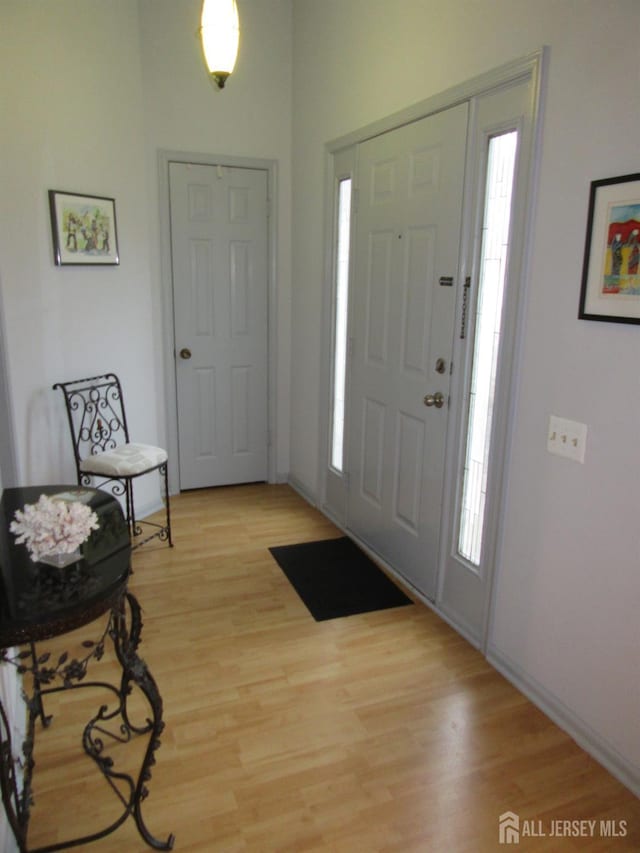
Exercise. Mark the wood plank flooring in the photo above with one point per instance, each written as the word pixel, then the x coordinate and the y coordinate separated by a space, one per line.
pixel 380 732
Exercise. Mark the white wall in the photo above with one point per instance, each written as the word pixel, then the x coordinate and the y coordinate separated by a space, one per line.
pixel 71 100
pixel 568 588
pixel 89 91
pixel 250 118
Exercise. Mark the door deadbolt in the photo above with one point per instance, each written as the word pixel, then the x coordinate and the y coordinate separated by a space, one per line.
pixel 441 365
pixel 185 353
pixel 436 400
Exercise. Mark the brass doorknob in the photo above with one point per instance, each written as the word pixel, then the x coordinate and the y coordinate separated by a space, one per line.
pixel 185 353
pixel 436 400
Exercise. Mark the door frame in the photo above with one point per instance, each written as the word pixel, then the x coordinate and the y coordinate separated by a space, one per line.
pixel 532 68
pixel 168 328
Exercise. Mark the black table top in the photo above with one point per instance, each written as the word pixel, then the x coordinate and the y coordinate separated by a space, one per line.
pixel 38 601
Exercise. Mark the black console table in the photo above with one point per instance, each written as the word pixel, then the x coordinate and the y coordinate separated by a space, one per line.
pixel 39 602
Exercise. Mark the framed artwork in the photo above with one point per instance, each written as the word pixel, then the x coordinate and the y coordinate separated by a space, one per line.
pixel 611 270
pixel 84 229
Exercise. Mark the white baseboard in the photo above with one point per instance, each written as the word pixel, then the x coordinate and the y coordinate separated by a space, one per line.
pixel 328 513
pixel 568 721
pixel 149 508
pixel 459 626
pixel 302 490
pixel 602 751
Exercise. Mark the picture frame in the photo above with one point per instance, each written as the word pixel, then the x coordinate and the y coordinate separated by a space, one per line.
pixel 610 289
pixel 84 229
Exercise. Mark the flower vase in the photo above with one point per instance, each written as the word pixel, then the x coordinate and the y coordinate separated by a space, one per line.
pixel 61 558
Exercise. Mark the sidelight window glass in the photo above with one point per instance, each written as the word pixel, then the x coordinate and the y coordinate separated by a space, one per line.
pixel 487 330
pixel 340 323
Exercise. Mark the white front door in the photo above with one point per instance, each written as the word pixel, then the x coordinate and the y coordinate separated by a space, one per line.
pixel 220 283
pixel 408 221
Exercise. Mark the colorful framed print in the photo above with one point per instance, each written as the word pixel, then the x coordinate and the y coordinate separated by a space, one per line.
pixel 611 271
pixel 84 229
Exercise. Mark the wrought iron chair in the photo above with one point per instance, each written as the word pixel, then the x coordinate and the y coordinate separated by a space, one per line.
pixel 103 452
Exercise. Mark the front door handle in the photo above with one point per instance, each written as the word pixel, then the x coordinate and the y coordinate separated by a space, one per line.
pixel 185 353
pixel 436 400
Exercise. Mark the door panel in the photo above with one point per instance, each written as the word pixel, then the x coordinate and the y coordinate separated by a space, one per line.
pixel 372 465
pixel 464 588
pixel 219 259
pixel 378 285
pixel 407 486
pixel 417 299
pixel 406 238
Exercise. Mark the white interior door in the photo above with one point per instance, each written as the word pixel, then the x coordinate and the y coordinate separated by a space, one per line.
pixel 407 235
pixel 220 299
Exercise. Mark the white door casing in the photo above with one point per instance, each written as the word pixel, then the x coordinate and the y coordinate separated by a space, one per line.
pixel 407 236
pixel 464 590
pixel 220 304
pixel 504 98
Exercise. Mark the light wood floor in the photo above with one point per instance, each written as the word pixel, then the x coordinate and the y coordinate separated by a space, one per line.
pixel 379 732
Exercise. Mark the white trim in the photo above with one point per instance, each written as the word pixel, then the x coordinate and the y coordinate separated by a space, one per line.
pixel 339 165
pixel 326 335
pixel 451 620
pixel 304 493
pixel 531 69
pixel 507 74
pixel 516 297
pixel 538 79
pixel 171 415
pixel 603 752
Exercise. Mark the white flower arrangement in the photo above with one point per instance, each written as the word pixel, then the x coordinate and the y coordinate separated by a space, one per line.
pixel 53 526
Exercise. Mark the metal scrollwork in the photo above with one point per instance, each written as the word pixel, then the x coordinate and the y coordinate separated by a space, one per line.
pixel 112 722
pixel 98 424
pixel 45 669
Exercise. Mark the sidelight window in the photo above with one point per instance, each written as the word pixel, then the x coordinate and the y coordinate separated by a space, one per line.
pixel 340 323
pixel 487 332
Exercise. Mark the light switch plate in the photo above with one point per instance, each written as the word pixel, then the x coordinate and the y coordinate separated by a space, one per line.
pixel 567 438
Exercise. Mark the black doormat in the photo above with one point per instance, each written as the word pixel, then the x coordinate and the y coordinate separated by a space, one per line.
pixel 335 578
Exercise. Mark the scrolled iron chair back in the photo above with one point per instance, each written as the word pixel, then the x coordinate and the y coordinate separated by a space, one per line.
pixel 96 415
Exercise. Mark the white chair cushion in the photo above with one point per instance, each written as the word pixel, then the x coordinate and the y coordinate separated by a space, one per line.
pixel 126 460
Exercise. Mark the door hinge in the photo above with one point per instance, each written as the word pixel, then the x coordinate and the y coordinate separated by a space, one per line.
pixel 465 301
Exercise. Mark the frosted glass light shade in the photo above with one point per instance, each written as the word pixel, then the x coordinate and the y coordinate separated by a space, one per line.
pixel 220 33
